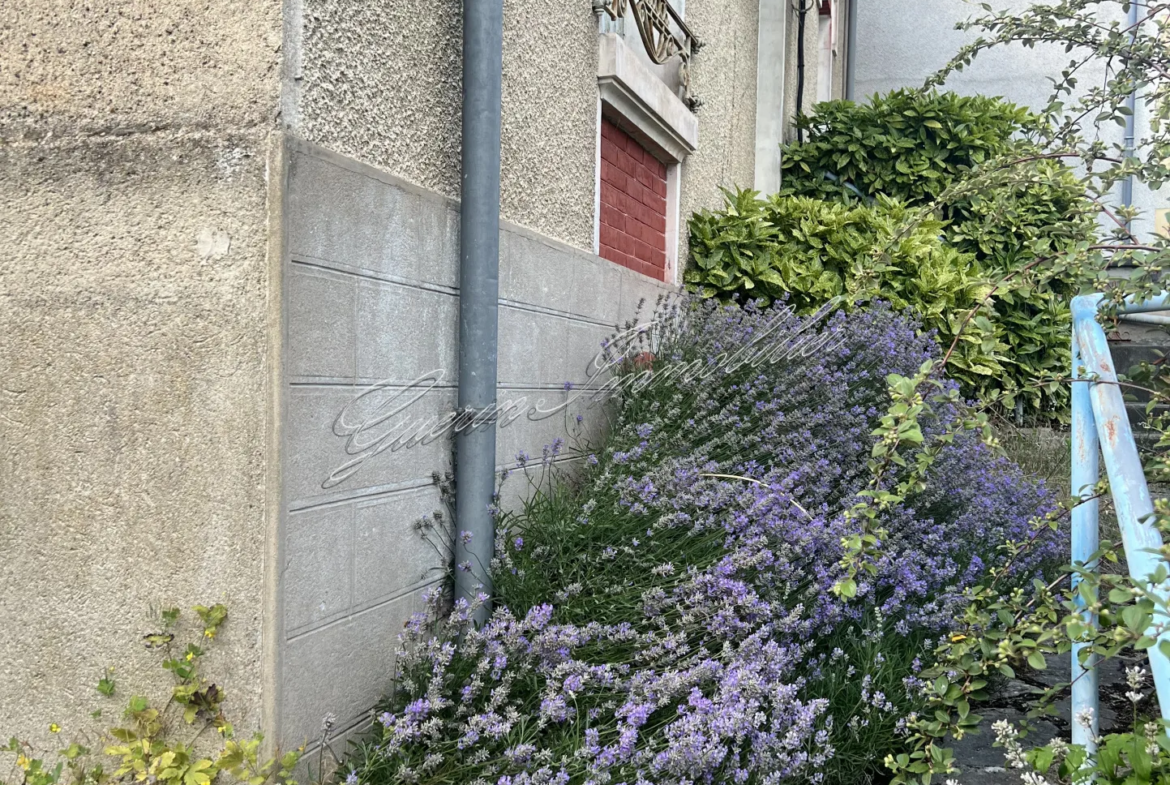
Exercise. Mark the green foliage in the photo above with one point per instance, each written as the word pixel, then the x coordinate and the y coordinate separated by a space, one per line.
pixel 898 433
pixel 913 146
pixel 907 144
pixel 1004 628
pixel 159 742
pixel 919 148
pixel 1106 613
pixel 811 251
pixel 1001 631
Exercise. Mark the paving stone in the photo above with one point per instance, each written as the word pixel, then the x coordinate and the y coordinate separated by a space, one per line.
pixel 983 764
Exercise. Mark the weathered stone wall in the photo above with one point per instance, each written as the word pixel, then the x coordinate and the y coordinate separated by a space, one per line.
pixel 133 349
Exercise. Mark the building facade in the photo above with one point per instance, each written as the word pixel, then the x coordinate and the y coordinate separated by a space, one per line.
pixel 232 248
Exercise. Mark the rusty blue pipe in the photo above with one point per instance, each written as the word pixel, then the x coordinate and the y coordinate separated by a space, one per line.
pixel 1100 422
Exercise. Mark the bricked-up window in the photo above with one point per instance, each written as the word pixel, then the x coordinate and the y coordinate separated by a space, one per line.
pixel 633 204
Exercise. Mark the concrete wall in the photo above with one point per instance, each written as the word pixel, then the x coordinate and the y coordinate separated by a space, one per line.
pixel 189 301
pixel 371 288
pixel 134 352
pixel 902 42
pixel 724 78
pixel 371 291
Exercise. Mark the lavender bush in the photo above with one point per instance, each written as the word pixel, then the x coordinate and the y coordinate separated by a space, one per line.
pixel 667 617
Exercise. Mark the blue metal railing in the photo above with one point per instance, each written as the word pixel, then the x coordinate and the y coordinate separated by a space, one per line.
pixel 1100 428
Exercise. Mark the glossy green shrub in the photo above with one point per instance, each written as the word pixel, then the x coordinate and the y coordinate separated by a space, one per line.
pixel 914 145
pixel 808 251
pixel 920 148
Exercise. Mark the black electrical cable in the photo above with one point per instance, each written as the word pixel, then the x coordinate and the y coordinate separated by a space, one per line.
pixel 800 69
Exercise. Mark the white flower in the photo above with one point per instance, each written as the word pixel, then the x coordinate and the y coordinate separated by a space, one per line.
pixel 1006 735
pixel 1134 677
pixel 1152 747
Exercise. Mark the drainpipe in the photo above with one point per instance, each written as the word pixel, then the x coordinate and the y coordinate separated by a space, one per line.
pixel 479 287
pixel 850 48
pixel 1130 132
pixel 800 64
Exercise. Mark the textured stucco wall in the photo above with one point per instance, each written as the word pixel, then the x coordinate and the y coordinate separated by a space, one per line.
pixel 724 78
pixel 119 66
pixel 133 143
pixel 381 82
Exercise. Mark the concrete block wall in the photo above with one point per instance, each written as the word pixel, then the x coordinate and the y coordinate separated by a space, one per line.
pixel 371 291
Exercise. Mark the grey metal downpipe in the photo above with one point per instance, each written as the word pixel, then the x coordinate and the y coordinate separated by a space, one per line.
pixel 851 49
pixel 1130 120
pixel 479 288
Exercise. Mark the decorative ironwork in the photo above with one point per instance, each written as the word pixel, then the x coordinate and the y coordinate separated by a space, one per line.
pixel 664 34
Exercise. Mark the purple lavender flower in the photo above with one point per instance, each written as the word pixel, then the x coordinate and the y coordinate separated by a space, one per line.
pixel 694 637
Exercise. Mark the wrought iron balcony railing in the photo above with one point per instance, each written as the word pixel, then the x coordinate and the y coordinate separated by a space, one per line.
pixel 664 33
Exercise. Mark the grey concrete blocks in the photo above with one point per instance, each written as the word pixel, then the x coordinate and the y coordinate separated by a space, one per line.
pixel 404 332
pixel 535 273
pixel 318 562
pixel 346 439
pixel 391 552
pixel 341 669
pixel 322 328
pixel 531 345
pixel 372 348
pixel 343 215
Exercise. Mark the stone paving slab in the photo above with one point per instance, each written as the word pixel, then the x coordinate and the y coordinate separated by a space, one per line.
pixel 980 763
